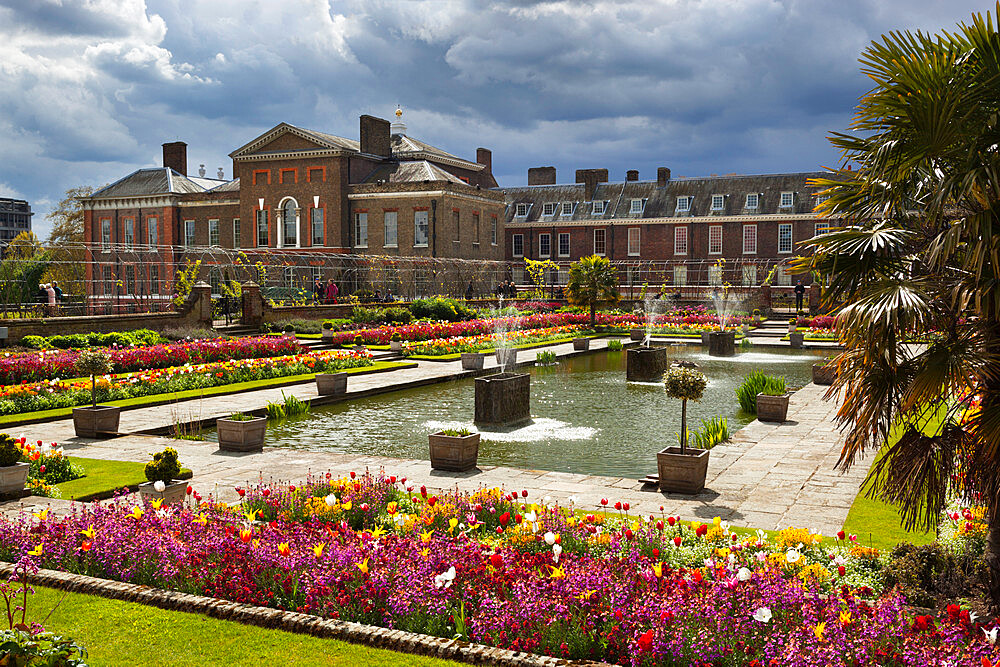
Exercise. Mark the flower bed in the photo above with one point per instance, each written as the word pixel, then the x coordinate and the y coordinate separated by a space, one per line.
pixel 48 364
pixel 489 568
pixel 825 322
pixel 31 397
pixel 445 346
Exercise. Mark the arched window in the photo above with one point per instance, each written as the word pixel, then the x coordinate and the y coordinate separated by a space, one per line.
pixel 289 222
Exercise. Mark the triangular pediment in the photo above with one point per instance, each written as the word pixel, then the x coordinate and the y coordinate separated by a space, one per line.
pixel 285 138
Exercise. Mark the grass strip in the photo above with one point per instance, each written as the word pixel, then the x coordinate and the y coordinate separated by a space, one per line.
pixel 103 478
pixel 146 635
pixel 238 387
pixel 523 346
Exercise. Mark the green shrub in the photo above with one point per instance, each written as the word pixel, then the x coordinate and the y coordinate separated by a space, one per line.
pixel 456 433
pixel 164 466
pixel 358 340
pixel 746 392
pixel 712 432
pixel 365 315
pixel 928 573
pixel 41 648
pixel 397 315
pixel 396 338
pixel 615 345
pixel 327 326
pixel 34 342
pixel 10 453
pixel 545 357
pixel 774 386
pixel 240 417
pixel 441 308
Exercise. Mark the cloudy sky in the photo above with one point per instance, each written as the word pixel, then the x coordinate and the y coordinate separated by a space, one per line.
pixel 89 89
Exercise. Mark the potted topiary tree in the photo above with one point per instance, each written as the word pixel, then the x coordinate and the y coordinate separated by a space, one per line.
pixel 359 342
pixel 455 450
pixel 772 401
pixel 327 332
pixel 162 473
pixel 241 433
pixel 95 420
pixel 683 469
pixel 396 342
pixel 13 472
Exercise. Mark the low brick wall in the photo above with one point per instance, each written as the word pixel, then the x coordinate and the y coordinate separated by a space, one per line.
pixel 265 617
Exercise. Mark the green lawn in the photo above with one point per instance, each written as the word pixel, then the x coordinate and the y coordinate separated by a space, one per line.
pixel 127 633
pixel 522 346
pixel 158 399
pixel 104 477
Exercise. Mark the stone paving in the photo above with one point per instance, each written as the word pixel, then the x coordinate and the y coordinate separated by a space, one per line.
pixel 769 476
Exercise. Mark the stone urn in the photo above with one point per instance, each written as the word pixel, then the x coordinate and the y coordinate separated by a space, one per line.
pixel 682 473
pixel 473 361
pixel 637 335
pixel 241 435
pixel 645 364
pixel 824 373
pixel 331 384
pixel 506 357
pixel 173 491
pixel 580 344
pixel 13 478
pixel 772 408
pixel 456 453
pixel 796 340
pixel 503 399
pixel 722 343
pixel 96 422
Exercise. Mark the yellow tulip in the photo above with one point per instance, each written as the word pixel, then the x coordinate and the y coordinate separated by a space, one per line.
pixel 818 630
pixel 136 513
pixel 251 517
pixel 37 551
pixel 363 566
pixel 425 537
pixel 558 572
pixel 378 532
pixel 318 549
pixel 845 617
pixel 346 506
pixel 658 570
pixel 452 524
pixel 425 552
pixel 43 515
pixel 202 519
pixel 156 503
pixel 284 549
pixel 89 533
pixel 717 521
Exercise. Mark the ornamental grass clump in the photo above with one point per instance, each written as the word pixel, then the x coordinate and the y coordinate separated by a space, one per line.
pixel 93 363
pixel 685 384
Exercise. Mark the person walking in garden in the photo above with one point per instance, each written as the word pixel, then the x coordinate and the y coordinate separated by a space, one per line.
pixel 331 292
pixel 800 291
pixel 319 291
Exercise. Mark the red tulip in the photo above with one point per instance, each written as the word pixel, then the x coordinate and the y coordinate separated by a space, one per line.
pixel 646 641
pixel 618 506
pixel 241 491
pixel 524 493
pixel 392 479
pixel 518 518
pixel 659 525
pixel 353 474
pixel 628 533
pixel 701 530
pixel 671 520
pixel 656 553
pixel 496 560
pixel 625 506
pixel 432 500
pixel 677 540
pixel 291 488
pixel 841 570
pixel 841 535
pixel 266 492
pixel 604 501
pixel 499 530
pixel 190 490
pixel 423 491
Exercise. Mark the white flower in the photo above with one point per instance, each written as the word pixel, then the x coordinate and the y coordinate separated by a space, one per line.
pixel 761 556
pixel 445 579
pixel 159 486
pixel 550 538
pixel 556 552
pixel 991 635
pixel 709 563
pixel 744 574
pixel 530 516
pixel 792 556
pixel 572 500
pixel 331 500
pixel 762 615
pixel 546 499
pixel 839 560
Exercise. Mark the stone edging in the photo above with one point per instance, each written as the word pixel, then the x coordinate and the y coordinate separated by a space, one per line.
pixel 265 617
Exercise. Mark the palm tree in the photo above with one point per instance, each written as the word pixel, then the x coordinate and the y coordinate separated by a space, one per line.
pixel 918 258
pixel 593 282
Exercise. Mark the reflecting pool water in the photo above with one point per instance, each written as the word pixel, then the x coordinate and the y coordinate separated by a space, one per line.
pixel 586 417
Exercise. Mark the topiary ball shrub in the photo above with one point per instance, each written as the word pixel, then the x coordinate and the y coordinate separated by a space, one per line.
pixel 289 328
pixel 358 340
pixel 10 453
pixel 685 383
pixel 93 362
pixel 164 466
pixel 328 326
pixel 396 337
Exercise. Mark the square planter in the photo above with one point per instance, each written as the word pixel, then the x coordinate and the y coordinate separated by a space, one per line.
pixel 637 335
pixel 645 364
pixel 327 336
pixel 473 361
pixel 102 421
pixel 792 326
pixel 503 399
pixel 580 344
pixel 772 408
pixel 241 436
pixel 395 346
pixel 507 357
pixel 331 384
pixel 706 338
pixel 824 373
pixel 682 473
pixel 722 343
pixel 13 478
pixel 173 493
pixel 796 340
pixel 454 452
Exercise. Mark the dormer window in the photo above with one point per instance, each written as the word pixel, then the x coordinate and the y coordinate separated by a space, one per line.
pixel 684 204
pixel 753 201
pixel 567 208
pixel 600 207
pixel 820 200
pixel 548 208
pixel 521 210
pixel 718 202
pixel 787 199
pixel 636 206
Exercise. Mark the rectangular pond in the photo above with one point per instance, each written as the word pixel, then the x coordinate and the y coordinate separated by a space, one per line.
pixel 585 417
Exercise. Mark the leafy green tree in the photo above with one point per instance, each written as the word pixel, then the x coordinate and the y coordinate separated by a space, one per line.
pixel 918 258
pixel 24 262
pixel 593 283
pixel 65 242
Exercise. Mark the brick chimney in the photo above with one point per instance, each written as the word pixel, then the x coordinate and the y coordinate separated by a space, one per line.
pixel 590 178
pixel 175 156
pixel 662 177
pixel 484 156
pixel 542 176
pixel 375 136
pixel 632 175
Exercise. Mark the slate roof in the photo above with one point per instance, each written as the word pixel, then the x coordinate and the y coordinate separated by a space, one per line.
pixel 662 202
pixel 331 139
pixel 154 181
pixel 411 171
pixel 227 186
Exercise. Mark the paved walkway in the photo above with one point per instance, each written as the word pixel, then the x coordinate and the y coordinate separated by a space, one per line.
pixel 769 476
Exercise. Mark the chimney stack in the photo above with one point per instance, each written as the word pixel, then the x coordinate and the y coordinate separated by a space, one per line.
pixel 662 177
pixel 375 136
pixel 484 156
pixel 175 156
pixel 542 176
pixel 632 175
pixel 590 178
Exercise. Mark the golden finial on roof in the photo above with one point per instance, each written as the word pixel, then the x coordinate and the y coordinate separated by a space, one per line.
pixel 399 112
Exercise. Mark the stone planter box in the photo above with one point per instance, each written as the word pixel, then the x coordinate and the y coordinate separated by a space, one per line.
pixel 331 384
pixel 503 399
pixel 395 346
pixel 13 478
pixel 824 373
pixel 580 344
pixel 454 452
pixel 772 408
pixel 90 422
pixel 645 364
pixel 507 357
pixel 473 361
pixel 173 493
pixel 327 335
pixel 796 340
pixel 241 436
pixel 682 473
pixel 360 348
pixel 722 343
pixel 792 326
pixel 637 335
